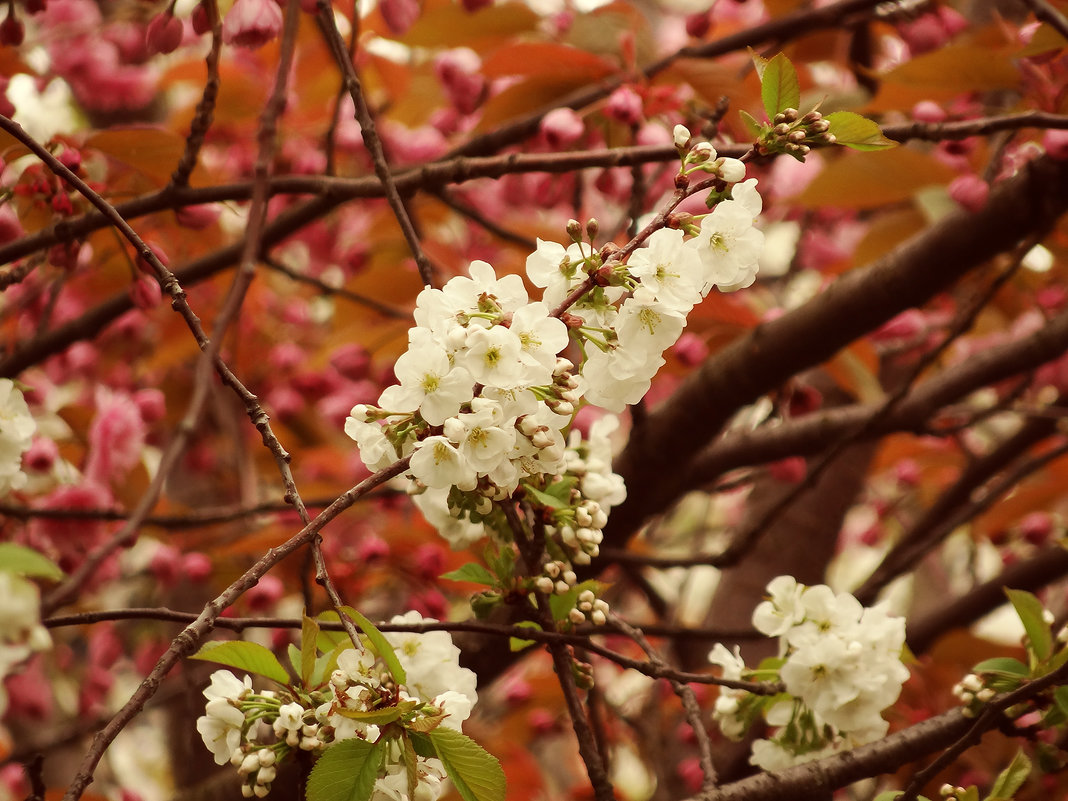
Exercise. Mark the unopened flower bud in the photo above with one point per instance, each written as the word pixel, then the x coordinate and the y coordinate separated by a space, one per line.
pixel 986 694
pixel 250 763
pixel 574 230
pixel 266 775
pixel 551 569
pixel 592 227
pixel 246 791
pixel 260 790
pixel 598 618
pixel 266 757
pixel 561 587
pixel 681 136
pixel 562 366
pixel 797 137
pixel 569 576
pixel 576 617
pixel 544 585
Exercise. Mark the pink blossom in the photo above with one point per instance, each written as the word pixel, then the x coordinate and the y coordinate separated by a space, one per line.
pixel 164 33
pixel 459 71
pixel 145 293
pixel 152 404
pixel 624 105
pixel 41 455
pixel 352 361
pixel 1036 527
pixel 698 25
pixel 252 23
pixel 561 127
pixel 116 436
pixel 1056 143
pixel 970 191
pixel 790 470
pixel 399 15
pixel 196 566
pixel 928 111
pixel 266 594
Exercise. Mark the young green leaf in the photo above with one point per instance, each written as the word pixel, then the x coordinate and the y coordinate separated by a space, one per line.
pixel 753 127
pixel 375 717
pixel 1003 666
pixel 517 643
pixel 379 643
pixel 309 636
pixel 543 498
pixel 759 62
pixel 1060 697
pixel 410 764
pixel 294 662
pixel 472 572
pixel 346 771
pixel 1032 613
pixel 779 88
pixel 857 132
pixel 250 657
pixel 1012 778
pixel 27 562
pixel 476 774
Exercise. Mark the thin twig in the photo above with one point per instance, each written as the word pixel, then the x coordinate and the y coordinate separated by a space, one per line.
pixel 373 142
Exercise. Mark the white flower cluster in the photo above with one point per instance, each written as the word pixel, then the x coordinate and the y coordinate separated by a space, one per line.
pixel 21 632
pixel 17 428
pixel 255 730
pixel 841 667
pixel 485 398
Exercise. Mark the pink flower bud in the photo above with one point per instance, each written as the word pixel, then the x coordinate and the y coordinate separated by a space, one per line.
pixel 10 227
pixel 1056 143
pixel 907 472
pixel 196 566
pixel 698 25
pixel 518 691
pixel 352 361
pixel 970 191
pixel 689 770
pixel 152 404
pixel 286 356
pixel 252 23
pixel 164 33
pixel 285 402
pixel 1036 527
pixel 928 111
pixel 399 15
pixel 41 455
pixel 690 349
pixel 200 19
pixel 624 105
pixel 541 721
pixel 166 565
pixel 266 594
pixel 145 293
pixel 197 217
pixel 459 71
pixel 372 548
pixel 562 127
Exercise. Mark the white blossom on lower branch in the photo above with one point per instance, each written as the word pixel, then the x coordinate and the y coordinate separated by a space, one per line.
pixel 839 663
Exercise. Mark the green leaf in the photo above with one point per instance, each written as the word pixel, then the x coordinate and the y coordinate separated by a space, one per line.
pixel 375 717
pixel 379 643
pixel 411 766
pixel 1031 612
pixel 346 771
pixel 759 62
pixel 472 572
pixel 779 88
pixel 425 723
pixel 1012 778
pixel 294 660
pixel 754 128
pixel 1060 696
pixel 421 745
pixel 309 636
pixel 517 643
pixel 28 562
pixel 543 498
pixel 858 132
pixel 562 604
pixel 476 774
pixel 1003 666
pixel 502 563
pixel 250 657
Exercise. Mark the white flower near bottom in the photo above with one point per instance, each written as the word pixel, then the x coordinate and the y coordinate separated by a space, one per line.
pixel 672 272
pixel 17 428
pixel 431 661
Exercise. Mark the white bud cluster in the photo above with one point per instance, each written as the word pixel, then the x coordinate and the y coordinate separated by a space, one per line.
pixel 254 731
pixel 973 692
